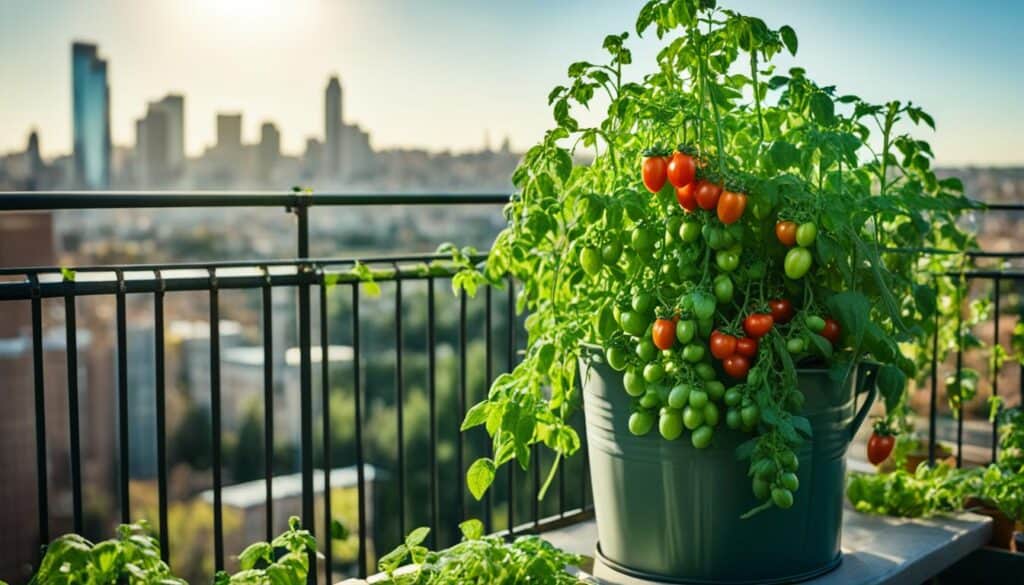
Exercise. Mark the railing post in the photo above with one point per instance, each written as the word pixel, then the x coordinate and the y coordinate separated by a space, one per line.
pixel 301 210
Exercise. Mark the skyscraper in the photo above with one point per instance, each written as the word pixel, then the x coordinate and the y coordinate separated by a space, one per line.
pixel 332 127
pixel 269 150
pixel 173 106
pixel 91 110
pixel 160 141
pixel 229 138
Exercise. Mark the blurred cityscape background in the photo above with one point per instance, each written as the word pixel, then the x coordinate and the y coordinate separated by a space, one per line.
pixel 340 157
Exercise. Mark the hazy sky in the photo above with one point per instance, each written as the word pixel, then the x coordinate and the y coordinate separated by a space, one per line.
pixel 439 73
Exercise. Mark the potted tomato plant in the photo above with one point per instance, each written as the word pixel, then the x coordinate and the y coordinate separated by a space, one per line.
pixel 720 268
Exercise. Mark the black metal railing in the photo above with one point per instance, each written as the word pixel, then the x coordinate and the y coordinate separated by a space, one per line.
pixel 301 274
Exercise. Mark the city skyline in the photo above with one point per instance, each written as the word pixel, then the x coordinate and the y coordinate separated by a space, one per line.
pixel 442 76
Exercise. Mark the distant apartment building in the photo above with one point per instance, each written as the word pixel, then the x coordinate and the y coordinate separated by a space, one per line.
pixel 269 151
pixel 160 142
pixel 91 117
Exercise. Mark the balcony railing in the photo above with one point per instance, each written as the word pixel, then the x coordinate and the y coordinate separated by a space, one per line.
pixel 306 277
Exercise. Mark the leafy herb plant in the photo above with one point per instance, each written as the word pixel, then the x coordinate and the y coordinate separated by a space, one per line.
pixel 479 560
pixel 787 227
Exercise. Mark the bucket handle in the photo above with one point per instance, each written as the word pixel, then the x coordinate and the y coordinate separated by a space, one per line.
pixel 866 383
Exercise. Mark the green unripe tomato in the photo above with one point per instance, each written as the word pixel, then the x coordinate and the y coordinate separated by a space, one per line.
pixel 815 323
pixel 605 322
pixel 642 239
pixel 761 488
pixel 789 461
pixel 693 417
pixel 765 469
pixel 633 323
pixel 711 414
pixel 715 389
pixel 670 424
pixel 797 262
pixel 616 357
pixel 789 481
pixel 733 419
pixel 698 398
pixel 651 399
pixel 611 252
pixel 689 232
pixel 701 438
pixel 654 372
pixel 705 326
pixel 782 498
pixel 590 260
pixel 693 352
pixel 643 303
pixel 672 227
pixel 728 261
pixel 679 396
pixel 795 345
pixel 703 305
pixel 723 288
pixel 805 234
pixel 633 383
pixel 732 397
pixel 751 415
pixel 646 350
pixel 641 422
pixel 705 371
pixel 686 329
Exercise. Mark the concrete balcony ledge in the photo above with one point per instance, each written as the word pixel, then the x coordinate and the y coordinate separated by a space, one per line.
pixel 876 550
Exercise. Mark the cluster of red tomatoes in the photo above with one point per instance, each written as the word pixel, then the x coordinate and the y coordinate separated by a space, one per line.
pixel 692 191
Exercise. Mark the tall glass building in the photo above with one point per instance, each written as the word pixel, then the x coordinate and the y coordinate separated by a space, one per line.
pixel 91 104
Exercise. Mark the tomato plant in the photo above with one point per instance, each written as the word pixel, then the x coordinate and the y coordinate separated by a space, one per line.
pixel 837 189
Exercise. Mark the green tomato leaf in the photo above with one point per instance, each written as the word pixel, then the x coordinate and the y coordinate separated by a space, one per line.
pixel 480 476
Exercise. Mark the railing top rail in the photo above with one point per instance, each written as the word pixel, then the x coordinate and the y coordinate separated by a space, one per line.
pixel 54 200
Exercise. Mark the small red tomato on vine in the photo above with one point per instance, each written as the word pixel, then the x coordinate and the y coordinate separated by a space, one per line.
pixel 707 194
pixel 881 443
pixel 730 206
pixel 723 345
pixel 782 310
pixel 785 231
pixel 655 171
pixel 687 197
pixel 663 333
pixel 736 366
pixel 831 331
pixel 757 325
pixel 746 346
pixel 681 169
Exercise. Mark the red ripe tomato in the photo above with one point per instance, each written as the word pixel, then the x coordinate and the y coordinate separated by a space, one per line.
pixel 879 447
pixel 707 195
pixel 758 324
pixel 746 346
pixel 663 334
pixel 731 206
pixel 655 171
pixel 831 331
pixel 686 197
pixel 736 366
pixel 785 231
pixel 723 345
pixel 782 310
pixel 681 169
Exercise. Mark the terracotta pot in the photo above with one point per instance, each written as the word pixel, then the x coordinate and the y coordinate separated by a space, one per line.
pixel 1002 525
pixel 1018 542
pixel 915 459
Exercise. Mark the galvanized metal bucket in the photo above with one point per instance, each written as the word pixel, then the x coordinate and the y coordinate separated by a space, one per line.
pixel 671 513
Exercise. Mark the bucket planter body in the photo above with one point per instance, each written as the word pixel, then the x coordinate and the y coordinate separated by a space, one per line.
pixel 670 512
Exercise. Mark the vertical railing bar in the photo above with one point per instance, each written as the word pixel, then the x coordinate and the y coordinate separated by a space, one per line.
pixel 268 401
pixel 995 367
pixel 357 389
pixel 42 492
pixel 933 405
pixel 122 397
pixel 432 398
pixel 161 415
pixel 215 422
pixel 511 310
pixel 399 399
pixel 460 439
pixel 535 457
pixel 325 395
pixel 306 379
pixel 489 373
pixel 71 351
pixel 959 376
